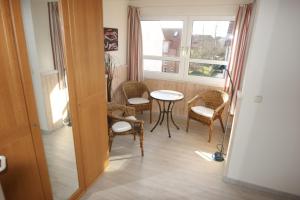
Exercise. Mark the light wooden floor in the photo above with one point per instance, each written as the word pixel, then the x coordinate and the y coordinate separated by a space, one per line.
pixel 173 168
pixel 60 155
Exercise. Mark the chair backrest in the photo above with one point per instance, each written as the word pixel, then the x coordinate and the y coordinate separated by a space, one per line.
pixel 214 98
pixel 115 112
pixel 133 89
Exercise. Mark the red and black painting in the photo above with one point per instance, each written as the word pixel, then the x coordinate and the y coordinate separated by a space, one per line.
pixel 110 39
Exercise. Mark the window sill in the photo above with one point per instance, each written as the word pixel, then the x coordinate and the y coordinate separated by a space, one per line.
pixel 213 82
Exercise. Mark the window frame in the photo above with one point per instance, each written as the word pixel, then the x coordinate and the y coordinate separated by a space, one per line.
pixel 166 75
pixel 184 58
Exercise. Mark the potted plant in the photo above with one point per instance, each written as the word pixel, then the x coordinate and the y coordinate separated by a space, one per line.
pixel 109 71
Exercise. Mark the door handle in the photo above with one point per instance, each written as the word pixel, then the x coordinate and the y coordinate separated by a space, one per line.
pixel 2 163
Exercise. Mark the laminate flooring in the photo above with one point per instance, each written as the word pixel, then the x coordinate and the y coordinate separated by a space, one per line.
pixel 172 168
pixel 60 155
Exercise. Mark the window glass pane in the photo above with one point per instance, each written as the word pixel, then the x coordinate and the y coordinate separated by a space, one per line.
pixel 161 66
pixel 211 40
pixel 162 38
pixel 208 70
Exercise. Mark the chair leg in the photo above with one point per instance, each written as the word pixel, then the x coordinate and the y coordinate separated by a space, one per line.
pixel 187 124
pixel 110 142
pixel 150 116
pixel 142 142
pixel 134 136
pixel 210 132
pixel 222 125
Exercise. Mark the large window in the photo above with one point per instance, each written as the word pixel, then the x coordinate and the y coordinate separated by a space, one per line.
pixel 190 49
pixel 161 45
pixel 210 47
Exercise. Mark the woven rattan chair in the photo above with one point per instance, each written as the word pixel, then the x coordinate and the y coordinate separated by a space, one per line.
pixel 134 93
pixel 213 103
pixel 122 121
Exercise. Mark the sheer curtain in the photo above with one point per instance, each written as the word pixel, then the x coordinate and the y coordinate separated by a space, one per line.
pixel 135 47
pixel 240 40
pixel 57 42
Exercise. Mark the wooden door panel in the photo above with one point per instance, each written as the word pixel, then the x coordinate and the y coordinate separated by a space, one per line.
pixel 22 179
pixel 12 98
pixel 13 109
pixel 94 141
pixel 83 30
pixel 88 47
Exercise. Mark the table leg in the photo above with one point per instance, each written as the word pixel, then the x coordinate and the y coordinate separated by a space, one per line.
pixel 172 116
pixel 163 115
pixel 168 113
pixel 159 117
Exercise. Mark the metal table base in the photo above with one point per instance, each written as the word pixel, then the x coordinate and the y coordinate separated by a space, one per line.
pixel 168 112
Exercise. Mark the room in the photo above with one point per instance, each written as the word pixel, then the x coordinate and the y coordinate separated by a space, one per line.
pixel 149 99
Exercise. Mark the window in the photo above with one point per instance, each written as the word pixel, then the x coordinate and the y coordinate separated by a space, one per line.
pixel 162 45
pixel 210 48
pixel 189 49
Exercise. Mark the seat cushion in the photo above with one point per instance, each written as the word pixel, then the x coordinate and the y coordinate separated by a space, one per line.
pixel 131 117
pixel 121 126
pixel 138 100
pixel 204 111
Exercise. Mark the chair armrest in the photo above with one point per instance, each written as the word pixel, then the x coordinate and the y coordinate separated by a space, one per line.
pixel 148 93
pixel 131 121
pixel 192 101
pixel 129 111
pixel 150 98
pixel 125 94
pixel 218 109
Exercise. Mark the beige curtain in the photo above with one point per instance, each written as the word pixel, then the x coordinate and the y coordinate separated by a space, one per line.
pixel 135 48
pixel 240 42
pixel 57 42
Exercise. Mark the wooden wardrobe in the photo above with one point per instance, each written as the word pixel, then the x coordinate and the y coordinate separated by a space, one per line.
pixel 20 138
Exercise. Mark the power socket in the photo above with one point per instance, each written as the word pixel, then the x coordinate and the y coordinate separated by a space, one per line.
pixel 258 99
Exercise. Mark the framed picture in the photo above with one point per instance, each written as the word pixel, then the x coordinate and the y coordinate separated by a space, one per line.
pixel 110 39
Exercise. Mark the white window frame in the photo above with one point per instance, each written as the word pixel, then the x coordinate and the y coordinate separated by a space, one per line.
pixel 184 58
pixel 180 59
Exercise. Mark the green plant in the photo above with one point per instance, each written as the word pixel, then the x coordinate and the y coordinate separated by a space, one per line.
pixel 109 71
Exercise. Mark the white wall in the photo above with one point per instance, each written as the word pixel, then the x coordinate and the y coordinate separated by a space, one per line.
pixel 41 27
pixel 115 16
pixel 34 61
pixel 264 145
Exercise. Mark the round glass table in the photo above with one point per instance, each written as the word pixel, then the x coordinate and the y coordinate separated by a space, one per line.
pixel 168 97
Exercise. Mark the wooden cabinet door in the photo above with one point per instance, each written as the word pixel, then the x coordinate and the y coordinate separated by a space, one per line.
pixel 84 49
pixel 22 179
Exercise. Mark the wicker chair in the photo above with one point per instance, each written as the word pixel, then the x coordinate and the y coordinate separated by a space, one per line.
pixel 122 121
pixel 213 103
pixel 134 92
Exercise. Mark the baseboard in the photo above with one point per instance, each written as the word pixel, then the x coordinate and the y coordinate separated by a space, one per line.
pixel 284 195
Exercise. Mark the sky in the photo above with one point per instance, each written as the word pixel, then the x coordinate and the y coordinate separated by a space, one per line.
pixel 210 27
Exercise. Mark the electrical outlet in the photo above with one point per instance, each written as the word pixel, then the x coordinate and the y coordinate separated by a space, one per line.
pixel 258 99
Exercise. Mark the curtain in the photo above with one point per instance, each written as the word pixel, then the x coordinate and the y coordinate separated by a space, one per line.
pixel 135 49
pixel 57 42
pixel 237 58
